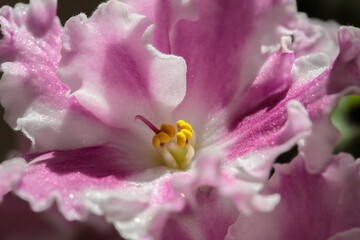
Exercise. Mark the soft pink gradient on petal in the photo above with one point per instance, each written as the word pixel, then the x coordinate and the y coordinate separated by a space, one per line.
pixel 65 175
pixel 222 50
pixel 312 206
pixel 32 95
pixel 11 172
pixel 122 74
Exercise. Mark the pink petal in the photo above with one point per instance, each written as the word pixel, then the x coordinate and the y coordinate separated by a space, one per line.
pixel 312 206
pixel 11 172
pixel 65 176
pixel 222 49
pixel 166 202
pixel 318 89
pixel 165 15
pixel 122 74
pixel 260 138
pixel 29 57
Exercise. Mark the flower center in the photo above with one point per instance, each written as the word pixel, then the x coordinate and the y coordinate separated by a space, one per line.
pixel 176 149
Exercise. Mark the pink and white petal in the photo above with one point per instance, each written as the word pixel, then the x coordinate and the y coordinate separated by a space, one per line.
pixel 64 176
pixel 165 15
pixel 318 93
pixel 271 83
pixel 242 188
pixel 325 135
pixel 315 36
pixel 154 205
pixel 214 196
pixel 138 212
pixel 122 74
pixel 11 171
pixel 29 56
pixel 312 206
pixel 223 54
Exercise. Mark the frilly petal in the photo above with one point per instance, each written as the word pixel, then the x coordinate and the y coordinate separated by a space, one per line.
pixel 11 172
pixel 122 74
pixel 153 206
pixel 312 206
pixel 32 95
pixel 64 176
pixel 315 36
pixel 317 86
pixel 322 95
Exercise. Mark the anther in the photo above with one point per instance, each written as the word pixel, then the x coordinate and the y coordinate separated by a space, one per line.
pixel 180 139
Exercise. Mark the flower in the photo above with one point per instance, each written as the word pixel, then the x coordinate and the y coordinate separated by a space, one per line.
pixel 100 98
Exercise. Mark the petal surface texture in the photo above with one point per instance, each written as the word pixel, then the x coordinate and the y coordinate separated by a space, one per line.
pixel 34 98
pixel 312 206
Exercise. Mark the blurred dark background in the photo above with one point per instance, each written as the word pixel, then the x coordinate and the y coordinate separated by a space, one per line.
pixel 345 12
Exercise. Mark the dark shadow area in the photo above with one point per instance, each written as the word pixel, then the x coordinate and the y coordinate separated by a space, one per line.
pixel 346 12
pixel 285 157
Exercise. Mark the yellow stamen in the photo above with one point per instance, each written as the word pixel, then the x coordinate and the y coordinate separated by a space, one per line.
pixel 181 124
pixel 187 133
pixel 169 129
pixel 156 141
pixel 181 139
pixel 178 124
pixel 176 153
pixel 164 137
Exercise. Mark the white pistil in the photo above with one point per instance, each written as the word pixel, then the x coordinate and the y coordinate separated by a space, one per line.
pixel 189 156
pixel 168 158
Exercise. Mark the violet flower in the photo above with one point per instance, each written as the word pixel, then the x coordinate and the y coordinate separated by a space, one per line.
pixel 248 79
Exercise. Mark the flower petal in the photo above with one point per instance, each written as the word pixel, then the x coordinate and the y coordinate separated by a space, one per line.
pixel 11 172
pixel 322 95
pixel 66 175
pixel 222 49
pixel 255 145
pixel 312 206
pixel 32 95
pixel 318 92
pixel 315 36
pixel 165 15
pixel 122 74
